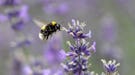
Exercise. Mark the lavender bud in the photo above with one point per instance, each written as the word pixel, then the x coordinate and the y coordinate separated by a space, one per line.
pixel 110 67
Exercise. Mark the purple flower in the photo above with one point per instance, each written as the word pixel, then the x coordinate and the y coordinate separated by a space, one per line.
pixel 10 2
pixel 76 30
pixel 111 66
pixel 52 72
pixel 32 70
pixel 3 18
pixel 35 67
pixel 21 43
pixel 54 53
pixel 24 13
pixel 82 48
pixel 18 60
pixel 46 72
pixel 50 63
pixel 21 13
pixel 18 25
pixel 24 43
pixel 17 66
pixel 26 70
pixel 13 13
pixel 16 15
pixel 79 52
pixel 38 69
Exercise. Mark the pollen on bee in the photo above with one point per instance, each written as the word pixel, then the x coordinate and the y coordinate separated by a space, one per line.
pixel 53 23
pixel 41 36
pixel 43 27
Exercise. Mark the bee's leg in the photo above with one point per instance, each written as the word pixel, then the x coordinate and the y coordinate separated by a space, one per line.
pixel 44 38
pixel 58 27
pixel 50 29
pixel 47 37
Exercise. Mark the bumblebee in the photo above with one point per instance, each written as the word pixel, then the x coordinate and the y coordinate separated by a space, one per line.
pixel 48 29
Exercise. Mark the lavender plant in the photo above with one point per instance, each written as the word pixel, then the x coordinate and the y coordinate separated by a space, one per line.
pixel 50 64
pixel 81 51
pixel 16 15
pixel 53 50
pixel 79 54
pixel 10 2
pixel 110 67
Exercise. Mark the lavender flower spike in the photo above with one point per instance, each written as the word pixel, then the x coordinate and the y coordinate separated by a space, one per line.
pixel 76 30
pixel 10 2
pixel 80 51
pixel 110 67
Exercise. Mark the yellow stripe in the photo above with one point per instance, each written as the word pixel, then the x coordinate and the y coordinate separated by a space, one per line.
pixel 43 27
pixel 53 23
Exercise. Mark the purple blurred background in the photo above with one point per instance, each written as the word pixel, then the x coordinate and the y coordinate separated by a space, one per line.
pixel 111 22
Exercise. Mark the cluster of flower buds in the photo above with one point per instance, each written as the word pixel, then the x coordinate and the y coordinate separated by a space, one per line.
pixel 15 13
pixel 110 67
pixel 81 50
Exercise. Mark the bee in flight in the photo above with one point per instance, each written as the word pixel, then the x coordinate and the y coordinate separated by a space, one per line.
pixel 47 29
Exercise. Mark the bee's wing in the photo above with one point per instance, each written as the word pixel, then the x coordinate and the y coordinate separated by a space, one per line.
pixel 39 23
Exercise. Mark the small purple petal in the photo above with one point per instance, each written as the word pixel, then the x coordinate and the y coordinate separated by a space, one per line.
pixel 73 22
pixel 50 57
pixel 72 48
pixel 13 14
pixel 83 47
pixel 59 72
pixel 62 55
pixel 71 54
pixel 27 70
pixel 87 52
pixel 24 13
pixel 93 47
pixel 3 18
pixel 10 2
pixel 46 72
pixel 111 68
pixel 89 34
pixel 18 26
pixel 24 43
